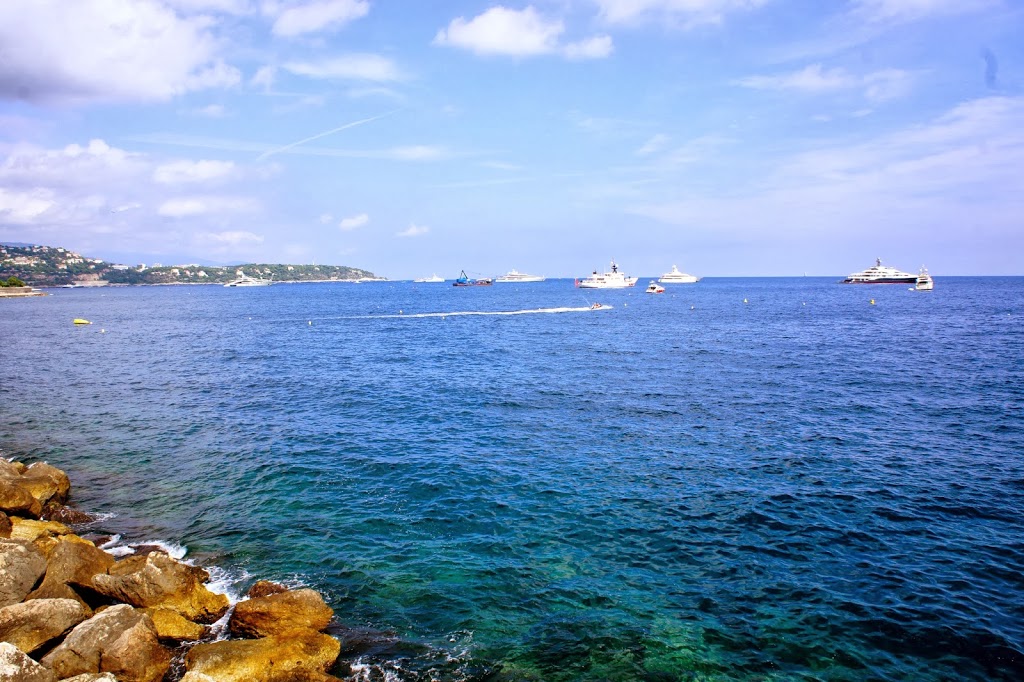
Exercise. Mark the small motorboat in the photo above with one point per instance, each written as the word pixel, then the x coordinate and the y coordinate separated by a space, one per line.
pixel 654 288
pixel 79 320
pixel 924 281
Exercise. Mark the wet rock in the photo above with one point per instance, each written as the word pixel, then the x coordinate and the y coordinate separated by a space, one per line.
pixel 32 624
pixel 72 563
pixel 300 655
pixel 158 581
pixel 16 666
pixel 16 500
pixel 280 613
pixel 170 625
pixel 32 530
pixel 21 567
pixel 5 526
pixel 64 514
pixel 265 588
pixel 118 640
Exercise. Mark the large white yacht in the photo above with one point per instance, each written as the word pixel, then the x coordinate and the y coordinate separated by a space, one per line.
pixel 881 274
pixel 609 280
pixel 676 277
pixel 514 275
pixel 433 279
pixel 244 280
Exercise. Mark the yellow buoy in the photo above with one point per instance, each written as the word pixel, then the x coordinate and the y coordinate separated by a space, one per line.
pixel 79 320
pixel 872 301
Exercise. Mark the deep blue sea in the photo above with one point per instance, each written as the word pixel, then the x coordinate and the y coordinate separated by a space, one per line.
pixel 741 479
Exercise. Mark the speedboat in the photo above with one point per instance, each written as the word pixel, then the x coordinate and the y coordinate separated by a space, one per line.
pixel 881 274
pixel 609 280
pixel 654 288
pixel 514 275
pixel 924 280
pixel 465 280
pixel 676 277
pixel 244 280
pixel 433 279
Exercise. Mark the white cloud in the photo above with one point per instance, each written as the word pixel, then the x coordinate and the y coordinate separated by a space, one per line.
pixel 326 218
pixel 24 207
pixel 313 17
pixel 684 13
pixel 957 176
pixel 210 111
pixel 518 33
pixel 369 67
pixel 655 144
pixel 106 50
pixel 505 31
pixel 898 11
pixel 353 222
pixel 413 231
pixel 184 207
pixel 230 238
pixel 180 172
pixel 877 86
pixel 264 77
pixel 597 47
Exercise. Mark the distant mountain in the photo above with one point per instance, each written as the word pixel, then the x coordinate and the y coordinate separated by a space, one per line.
pixel 56 266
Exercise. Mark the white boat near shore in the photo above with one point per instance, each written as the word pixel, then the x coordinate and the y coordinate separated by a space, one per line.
pixel 244 280
pixel 433 279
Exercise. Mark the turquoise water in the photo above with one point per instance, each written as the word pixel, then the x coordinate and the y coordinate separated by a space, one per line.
pixel 681 487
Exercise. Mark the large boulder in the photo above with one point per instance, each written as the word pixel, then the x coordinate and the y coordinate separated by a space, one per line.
pixel 118 640
pixel 32 624
pixel 73 562
pixel 21 567
pixel 54 511
pixel 158 581
pixel 16 666
pixel 57 476
pixel 16 500
pixel 32 530
pixel 300 655
pixel 280 613
pixel 265 588
pixel 170 625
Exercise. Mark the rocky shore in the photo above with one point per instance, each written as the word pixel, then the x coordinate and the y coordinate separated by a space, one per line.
pixel 72 611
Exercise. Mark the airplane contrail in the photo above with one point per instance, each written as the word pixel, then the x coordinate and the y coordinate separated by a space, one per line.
pixel 353 124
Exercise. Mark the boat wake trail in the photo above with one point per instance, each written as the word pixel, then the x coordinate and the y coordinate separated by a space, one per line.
pixel 459 313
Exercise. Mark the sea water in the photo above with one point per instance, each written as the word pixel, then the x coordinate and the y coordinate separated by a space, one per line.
pixel 739 479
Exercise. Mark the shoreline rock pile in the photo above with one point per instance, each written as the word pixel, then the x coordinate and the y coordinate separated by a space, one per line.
pixel 71 611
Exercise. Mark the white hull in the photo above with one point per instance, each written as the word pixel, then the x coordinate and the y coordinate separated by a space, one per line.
pixel 880 274
pixel 514 276
pixel 609 280
pixel 429 280
pixel 676 277
pixel 248 282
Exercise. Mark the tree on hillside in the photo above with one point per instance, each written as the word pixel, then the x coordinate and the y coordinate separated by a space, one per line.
pixel 11 281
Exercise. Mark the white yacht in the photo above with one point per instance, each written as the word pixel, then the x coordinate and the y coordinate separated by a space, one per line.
pixel 514 275
pixel 881 274
pixel 676 277
pixel 924 280
pixel 654 288
pixel 433 279
pixel 609 280
pixel 244 280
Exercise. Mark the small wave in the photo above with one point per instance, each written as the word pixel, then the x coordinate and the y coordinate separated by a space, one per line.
pixel 114 547
pixel 458 313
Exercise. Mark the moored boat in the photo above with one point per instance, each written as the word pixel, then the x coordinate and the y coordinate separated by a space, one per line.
pixel 244 280
pixel 654 288
pixel 609 280
pixel 514 275
pixel 881 274
pixel 924 280
pixel 676 277
pixel 465 280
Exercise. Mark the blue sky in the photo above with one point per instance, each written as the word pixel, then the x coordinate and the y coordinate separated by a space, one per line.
pixel 730 137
